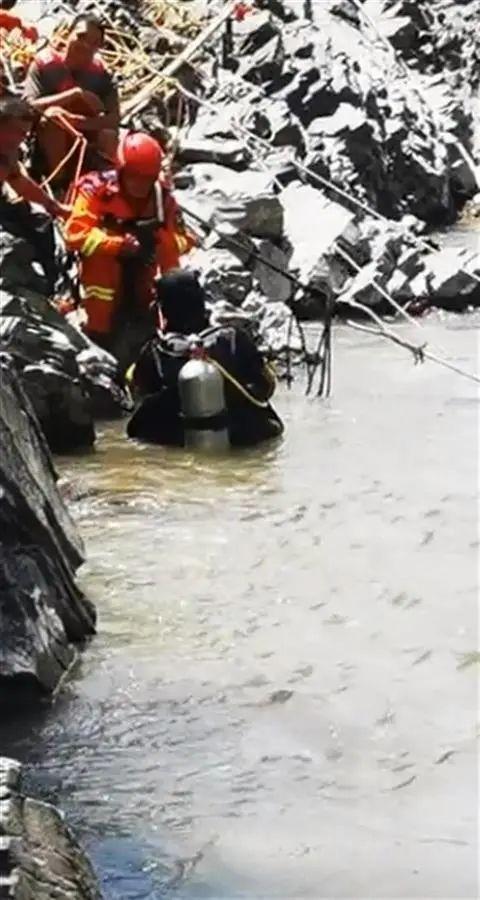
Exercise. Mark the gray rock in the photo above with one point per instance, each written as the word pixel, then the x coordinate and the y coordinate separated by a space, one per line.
pixel 394 22
pixel 278 335
pixel 389 259
pixel 448 281
pixel 313 225
pixel 282 165
pixel 254 305
pixel 18 268
pixel 40 857
pixel 244 200
pixel 223 274
pixel 272 284
pixel 42 612
pixel 69 380
pixel 256 52
pixel 346 119
pixel 391 146
pixel 259 47
pixel 442 278
pixel 224 313
pixel 209 150
pixel 51 378
pixel 272 121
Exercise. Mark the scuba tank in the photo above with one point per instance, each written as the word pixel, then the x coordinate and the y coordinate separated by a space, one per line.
pixel 202 403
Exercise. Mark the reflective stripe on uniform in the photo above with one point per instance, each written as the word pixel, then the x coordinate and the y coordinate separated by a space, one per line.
pixel 130 374
pixel 182 243
pixel 95 290
pixel 92 242
pixel 159 209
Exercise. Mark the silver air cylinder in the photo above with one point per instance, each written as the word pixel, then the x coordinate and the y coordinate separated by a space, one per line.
pixel 203 407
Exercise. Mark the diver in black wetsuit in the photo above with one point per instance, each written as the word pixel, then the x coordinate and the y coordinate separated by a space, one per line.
pixel 249 383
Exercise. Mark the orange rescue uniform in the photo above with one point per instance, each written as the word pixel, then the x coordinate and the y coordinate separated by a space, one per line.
pixel 101 218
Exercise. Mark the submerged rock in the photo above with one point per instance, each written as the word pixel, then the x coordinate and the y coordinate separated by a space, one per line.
pixel 43 614
pixel 40 856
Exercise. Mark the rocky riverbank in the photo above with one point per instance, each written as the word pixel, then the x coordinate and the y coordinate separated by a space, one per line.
pixel 43 614
pixel 40 857
pixel 331 138
pixel 372 106
pixel 328 138
pixel 69 381
pixel 306 140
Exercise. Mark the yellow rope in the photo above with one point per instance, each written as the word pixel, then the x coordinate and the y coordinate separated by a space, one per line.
pixel 261 404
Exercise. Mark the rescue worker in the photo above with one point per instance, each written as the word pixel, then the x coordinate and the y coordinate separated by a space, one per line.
pixel 248 381
pixel 76 84
pixel 10 23
pixel 126 226
pixel 16 120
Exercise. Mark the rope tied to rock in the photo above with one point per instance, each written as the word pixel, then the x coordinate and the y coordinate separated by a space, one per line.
pixel 135 62
pixel 419 353
pixel 323 355
pixel 301 168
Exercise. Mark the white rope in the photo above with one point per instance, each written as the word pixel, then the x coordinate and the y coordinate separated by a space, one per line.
pixel 383 292
pixel 266 145
pixel 250 136
pixel 420 353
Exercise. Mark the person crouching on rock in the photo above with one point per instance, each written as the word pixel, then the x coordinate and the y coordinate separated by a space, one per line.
pixel 16 120
pixel 127 227
pixel 76 86
pixel 248 381
pixel 9 22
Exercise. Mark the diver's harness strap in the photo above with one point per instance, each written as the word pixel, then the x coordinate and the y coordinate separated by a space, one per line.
pixel 184 348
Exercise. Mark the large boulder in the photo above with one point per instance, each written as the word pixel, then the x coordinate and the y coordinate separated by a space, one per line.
pixel 313 226
pixel 69 380
pixel 448 278
pixel 224 274
pixel 43 614
pixel 259 47
pixel 271 120
pixel 388 138
pixel 452 278
pixel 273 285
pixel 40 857
pixel 397 22
pixel 244 200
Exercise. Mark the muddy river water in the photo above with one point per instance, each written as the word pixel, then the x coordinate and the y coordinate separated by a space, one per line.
pixel 281 701
pixel 282 697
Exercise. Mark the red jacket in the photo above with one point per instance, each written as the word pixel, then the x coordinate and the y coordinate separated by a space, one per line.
pixel 49 74
pixel 9 23
pixel 102 216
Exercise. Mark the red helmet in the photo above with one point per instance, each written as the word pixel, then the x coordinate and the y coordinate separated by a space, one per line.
pixel 140 154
